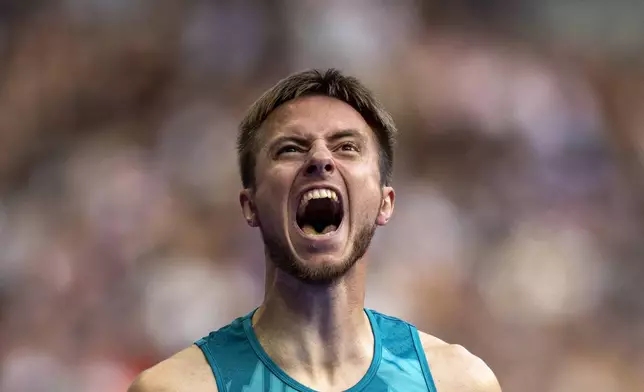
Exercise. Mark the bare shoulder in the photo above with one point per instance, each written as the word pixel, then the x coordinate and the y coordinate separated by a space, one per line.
pixel 185 371
pixel 455 369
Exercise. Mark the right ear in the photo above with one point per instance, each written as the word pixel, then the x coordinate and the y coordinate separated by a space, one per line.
pixel 248 207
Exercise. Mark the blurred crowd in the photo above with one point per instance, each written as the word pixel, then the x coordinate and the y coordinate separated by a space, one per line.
pixel 520 185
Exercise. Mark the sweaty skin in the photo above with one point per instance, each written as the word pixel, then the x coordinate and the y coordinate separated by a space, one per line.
pixel 312 322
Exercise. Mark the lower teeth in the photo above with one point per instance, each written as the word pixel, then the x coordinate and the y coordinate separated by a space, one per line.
pixel 308 229
pixel 329 229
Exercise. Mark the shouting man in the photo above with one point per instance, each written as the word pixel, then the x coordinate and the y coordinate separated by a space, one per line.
pixel 316 156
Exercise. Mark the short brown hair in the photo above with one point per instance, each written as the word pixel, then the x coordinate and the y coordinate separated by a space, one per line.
pixel 329 83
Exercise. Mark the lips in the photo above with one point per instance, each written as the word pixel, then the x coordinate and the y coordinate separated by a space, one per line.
pixel 319 211
pixel 317 194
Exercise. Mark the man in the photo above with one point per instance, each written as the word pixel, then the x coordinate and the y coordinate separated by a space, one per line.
pixel 316 155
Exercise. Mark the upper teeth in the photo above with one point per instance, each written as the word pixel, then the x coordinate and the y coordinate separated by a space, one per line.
pixel 318 194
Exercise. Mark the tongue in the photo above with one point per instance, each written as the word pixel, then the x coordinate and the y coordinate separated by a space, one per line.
pixel 308 229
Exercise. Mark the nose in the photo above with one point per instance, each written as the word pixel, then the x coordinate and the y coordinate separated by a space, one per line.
pixel 320 166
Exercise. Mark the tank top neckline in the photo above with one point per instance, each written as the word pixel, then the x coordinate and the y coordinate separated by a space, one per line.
pixel 272 366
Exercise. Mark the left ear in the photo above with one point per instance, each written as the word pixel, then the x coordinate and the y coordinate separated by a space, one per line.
pixel 386 206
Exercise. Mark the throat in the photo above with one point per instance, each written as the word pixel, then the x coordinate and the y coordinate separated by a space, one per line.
pixel 321 354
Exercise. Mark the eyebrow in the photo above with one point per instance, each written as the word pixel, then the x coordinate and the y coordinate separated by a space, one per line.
pixel 345 133
pixel 300 140
pixel 284 139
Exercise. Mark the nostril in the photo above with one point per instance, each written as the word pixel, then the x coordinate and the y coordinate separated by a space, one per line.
pixel 320 168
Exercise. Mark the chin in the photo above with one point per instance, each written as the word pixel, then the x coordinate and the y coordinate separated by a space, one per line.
pixel 307 264
pixel 321 269
pixel 319 241
pixel 322 261
pixel 313 263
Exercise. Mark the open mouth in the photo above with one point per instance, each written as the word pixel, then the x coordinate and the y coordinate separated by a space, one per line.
pixel 319 212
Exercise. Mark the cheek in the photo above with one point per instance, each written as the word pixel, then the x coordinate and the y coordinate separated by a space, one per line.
pixel 268 211
pixel 368 176
pixel 271 194
pixel 367 194
pixel 272 181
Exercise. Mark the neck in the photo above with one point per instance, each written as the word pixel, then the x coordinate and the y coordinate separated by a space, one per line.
pixel 316 329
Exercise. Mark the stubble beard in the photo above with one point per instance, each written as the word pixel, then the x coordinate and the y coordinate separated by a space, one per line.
pixel 325 274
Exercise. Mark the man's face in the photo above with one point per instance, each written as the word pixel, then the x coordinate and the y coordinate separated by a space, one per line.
pixel 317 197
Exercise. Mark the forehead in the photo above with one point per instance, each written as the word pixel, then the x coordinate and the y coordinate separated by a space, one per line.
pixel 314 116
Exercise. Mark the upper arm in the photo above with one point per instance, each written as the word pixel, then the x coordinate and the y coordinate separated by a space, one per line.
pixel 146 382
pixel 183 372
pixel 477 373
pixel 455 369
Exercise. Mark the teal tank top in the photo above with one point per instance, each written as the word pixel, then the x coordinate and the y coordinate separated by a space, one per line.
pixel 239 363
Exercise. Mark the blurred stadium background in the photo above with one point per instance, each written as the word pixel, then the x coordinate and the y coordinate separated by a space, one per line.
pixel 519 216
